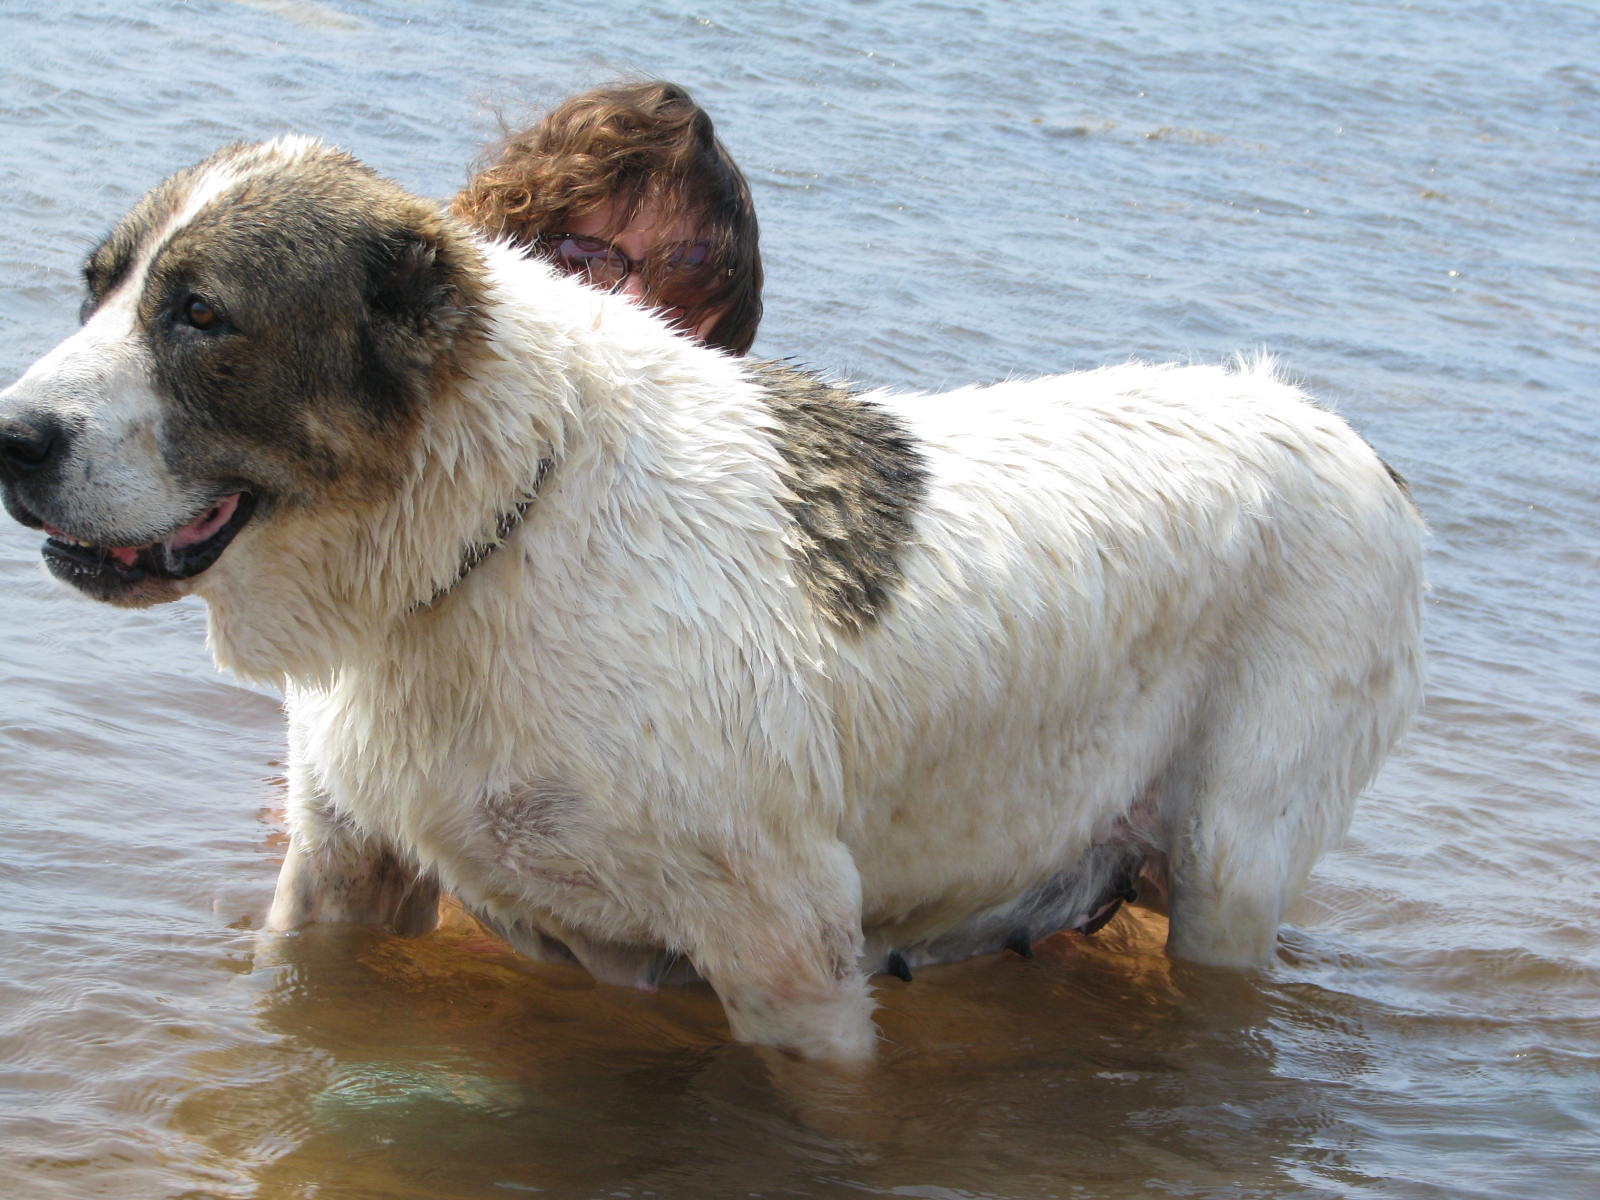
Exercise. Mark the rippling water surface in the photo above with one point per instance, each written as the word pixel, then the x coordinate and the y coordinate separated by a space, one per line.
pixel 1398 200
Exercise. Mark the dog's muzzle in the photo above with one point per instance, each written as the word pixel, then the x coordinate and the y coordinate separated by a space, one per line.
pixel 32 447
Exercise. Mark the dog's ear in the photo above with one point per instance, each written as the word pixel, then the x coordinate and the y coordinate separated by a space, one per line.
pixel 424 281
pixel 423 294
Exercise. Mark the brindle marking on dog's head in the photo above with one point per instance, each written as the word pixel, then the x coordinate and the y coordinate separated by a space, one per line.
pixel 330 302
pixel 855 478
pixel 108 263
pixel 263 333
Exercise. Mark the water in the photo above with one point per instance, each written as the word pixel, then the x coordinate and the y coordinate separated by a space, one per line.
pixel 1398 199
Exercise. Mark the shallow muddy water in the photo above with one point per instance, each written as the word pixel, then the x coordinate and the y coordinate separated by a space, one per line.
pixel 1398 200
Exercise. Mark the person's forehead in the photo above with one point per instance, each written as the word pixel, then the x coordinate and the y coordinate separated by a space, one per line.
pixel 645 226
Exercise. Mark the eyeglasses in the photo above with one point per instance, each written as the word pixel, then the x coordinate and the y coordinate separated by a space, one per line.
pixel 600 263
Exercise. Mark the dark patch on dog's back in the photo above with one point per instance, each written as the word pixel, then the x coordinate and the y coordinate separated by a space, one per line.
pixel 855 478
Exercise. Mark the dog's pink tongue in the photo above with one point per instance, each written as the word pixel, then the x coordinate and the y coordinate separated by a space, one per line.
pixel 198 531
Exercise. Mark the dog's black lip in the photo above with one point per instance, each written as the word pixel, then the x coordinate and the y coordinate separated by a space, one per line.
pixel 95 569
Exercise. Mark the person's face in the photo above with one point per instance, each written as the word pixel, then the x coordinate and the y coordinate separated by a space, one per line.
pixel 636 241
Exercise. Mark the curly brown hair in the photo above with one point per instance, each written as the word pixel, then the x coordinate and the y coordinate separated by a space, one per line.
pixel 634 144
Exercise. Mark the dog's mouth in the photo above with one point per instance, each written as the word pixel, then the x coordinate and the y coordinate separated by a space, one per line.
pixel 106 571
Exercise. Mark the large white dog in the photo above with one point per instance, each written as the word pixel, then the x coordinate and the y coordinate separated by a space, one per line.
pixel 673 663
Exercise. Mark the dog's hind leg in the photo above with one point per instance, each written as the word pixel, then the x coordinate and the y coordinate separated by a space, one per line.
pixel 1312 678
pixel 335 873
pixel 1266 785
pixel 1229 888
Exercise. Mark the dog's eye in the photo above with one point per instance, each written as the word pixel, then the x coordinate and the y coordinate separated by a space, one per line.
pixel 199 312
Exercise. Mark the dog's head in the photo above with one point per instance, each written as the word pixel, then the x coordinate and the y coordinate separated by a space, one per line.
pixel 259 338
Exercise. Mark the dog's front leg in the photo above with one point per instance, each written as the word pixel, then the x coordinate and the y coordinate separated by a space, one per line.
pixel 822 1017
pixel 784 963
pixel 335 873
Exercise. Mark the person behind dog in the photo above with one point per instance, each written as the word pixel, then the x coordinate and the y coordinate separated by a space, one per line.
pixel 628 187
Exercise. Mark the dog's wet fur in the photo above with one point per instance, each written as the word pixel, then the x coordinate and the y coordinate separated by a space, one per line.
pixel 853 479
pixel 679 665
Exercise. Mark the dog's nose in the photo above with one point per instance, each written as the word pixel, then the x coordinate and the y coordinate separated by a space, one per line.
pixel 27 445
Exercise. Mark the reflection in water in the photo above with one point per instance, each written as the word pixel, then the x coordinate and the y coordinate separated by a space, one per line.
pixel 446 1067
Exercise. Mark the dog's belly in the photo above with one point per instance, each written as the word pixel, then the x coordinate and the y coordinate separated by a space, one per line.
pixel 1021 821
pixel 1032 876
pixel 1082 898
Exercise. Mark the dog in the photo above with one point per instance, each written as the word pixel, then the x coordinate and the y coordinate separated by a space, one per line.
pixel 679 665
